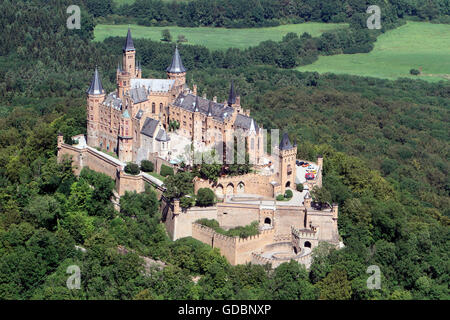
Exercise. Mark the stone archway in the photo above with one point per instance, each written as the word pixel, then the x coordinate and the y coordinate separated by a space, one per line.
pixel 268 221
pixel 219 190
pixel 288 184
pixel 241 187
pixel 307 244
pixel 230 189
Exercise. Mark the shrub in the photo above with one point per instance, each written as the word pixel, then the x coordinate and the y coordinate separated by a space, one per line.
pixel 300 187
pixel 187 202
pixel 205 197
pixel 147 166
pixel 414 72
pixel 166 171
pixel 288 194
pixel 132 168
pixel 280 197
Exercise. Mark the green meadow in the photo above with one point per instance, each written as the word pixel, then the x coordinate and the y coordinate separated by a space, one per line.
pixel 216 38
pixel 412 46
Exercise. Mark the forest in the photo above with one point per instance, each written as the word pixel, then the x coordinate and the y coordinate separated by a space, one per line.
pixel 386 162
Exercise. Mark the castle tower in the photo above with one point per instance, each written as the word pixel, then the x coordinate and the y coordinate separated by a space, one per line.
pixel 126 138
pixel 287 155
pixel 129 56
pixel 139 70
pixel 95 96
pixel 176 71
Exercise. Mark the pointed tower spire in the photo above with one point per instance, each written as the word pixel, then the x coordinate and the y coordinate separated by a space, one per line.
pixel 177 65
pixel 128 46
pixel 232 95
pixel 118 66
pixel 196 104
pixel 285 143
pixel 96 84
pixel 210 109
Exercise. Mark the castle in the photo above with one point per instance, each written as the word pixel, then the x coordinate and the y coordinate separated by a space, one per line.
pixel 150 118
pixel 134 120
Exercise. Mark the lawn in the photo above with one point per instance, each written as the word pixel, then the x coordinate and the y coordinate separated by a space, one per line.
pixel 412 46
pixel 216 38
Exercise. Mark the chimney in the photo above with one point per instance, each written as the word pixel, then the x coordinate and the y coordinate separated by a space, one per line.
pixel 194 91
pixel 60 140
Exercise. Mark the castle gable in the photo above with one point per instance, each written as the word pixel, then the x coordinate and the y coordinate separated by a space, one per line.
pixel 138 95
pixel 149 127
pixel 218 110
pixel 244 122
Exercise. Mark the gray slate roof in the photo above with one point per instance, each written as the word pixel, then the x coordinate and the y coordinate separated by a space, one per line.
pixel 149 127
pixel 162 136
pixel 177 65
pixel 113 101
pixel 139 94
pixel 128 46
pixel 96 84
pixel 285 143
pixel 219 111
pixel 155 85
pixel 139 114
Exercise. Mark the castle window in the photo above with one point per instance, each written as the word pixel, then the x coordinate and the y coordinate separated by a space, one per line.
pixel 153 107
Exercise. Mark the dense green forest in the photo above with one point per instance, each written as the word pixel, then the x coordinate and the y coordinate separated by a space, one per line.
pixel 386 162
pixel 262 13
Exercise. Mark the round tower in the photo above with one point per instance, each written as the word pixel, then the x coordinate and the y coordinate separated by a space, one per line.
pixel 176 71
pixel 95 96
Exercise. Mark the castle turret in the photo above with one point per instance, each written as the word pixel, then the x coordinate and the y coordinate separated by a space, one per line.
pixel 287 155
pixel 95 96
pixel 234 100
pixel 129 56
pixel 176 71
pixel 126 138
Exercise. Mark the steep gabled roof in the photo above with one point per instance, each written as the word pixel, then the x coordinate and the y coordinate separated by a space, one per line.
pixel 177 65
pixel 96 84
pixel 128 46
pixel 149 127
pixel 285 143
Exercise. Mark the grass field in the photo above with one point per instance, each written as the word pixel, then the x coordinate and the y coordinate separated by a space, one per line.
pixel 216 38
pixel 414 45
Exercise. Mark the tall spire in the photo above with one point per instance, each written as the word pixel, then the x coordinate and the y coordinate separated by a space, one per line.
pixel 196 104
pixel 210 109
pixel 177 65
pixel 285 143
pixel 232 95
pixel 96 84
pixel 128 46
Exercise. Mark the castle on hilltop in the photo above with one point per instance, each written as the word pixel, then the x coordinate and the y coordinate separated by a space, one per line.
pixel 133 121
pixel 155 119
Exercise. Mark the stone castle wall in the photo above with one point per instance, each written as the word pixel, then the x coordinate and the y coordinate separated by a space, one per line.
pixel 251 183
pixel 236 250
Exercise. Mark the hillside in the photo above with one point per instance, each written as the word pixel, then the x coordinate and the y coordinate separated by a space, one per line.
pixel 411 46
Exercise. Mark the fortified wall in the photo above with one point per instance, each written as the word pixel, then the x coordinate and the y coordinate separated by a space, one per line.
pixel 236 250
pixel 85 156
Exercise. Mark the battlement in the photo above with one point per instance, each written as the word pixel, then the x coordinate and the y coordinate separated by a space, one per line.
pixel 304 233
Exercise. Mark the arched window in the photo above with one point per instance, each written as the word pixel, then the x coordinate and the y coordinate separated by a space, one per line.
pixel 307 244
pixel 267 221
pixel 153 107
